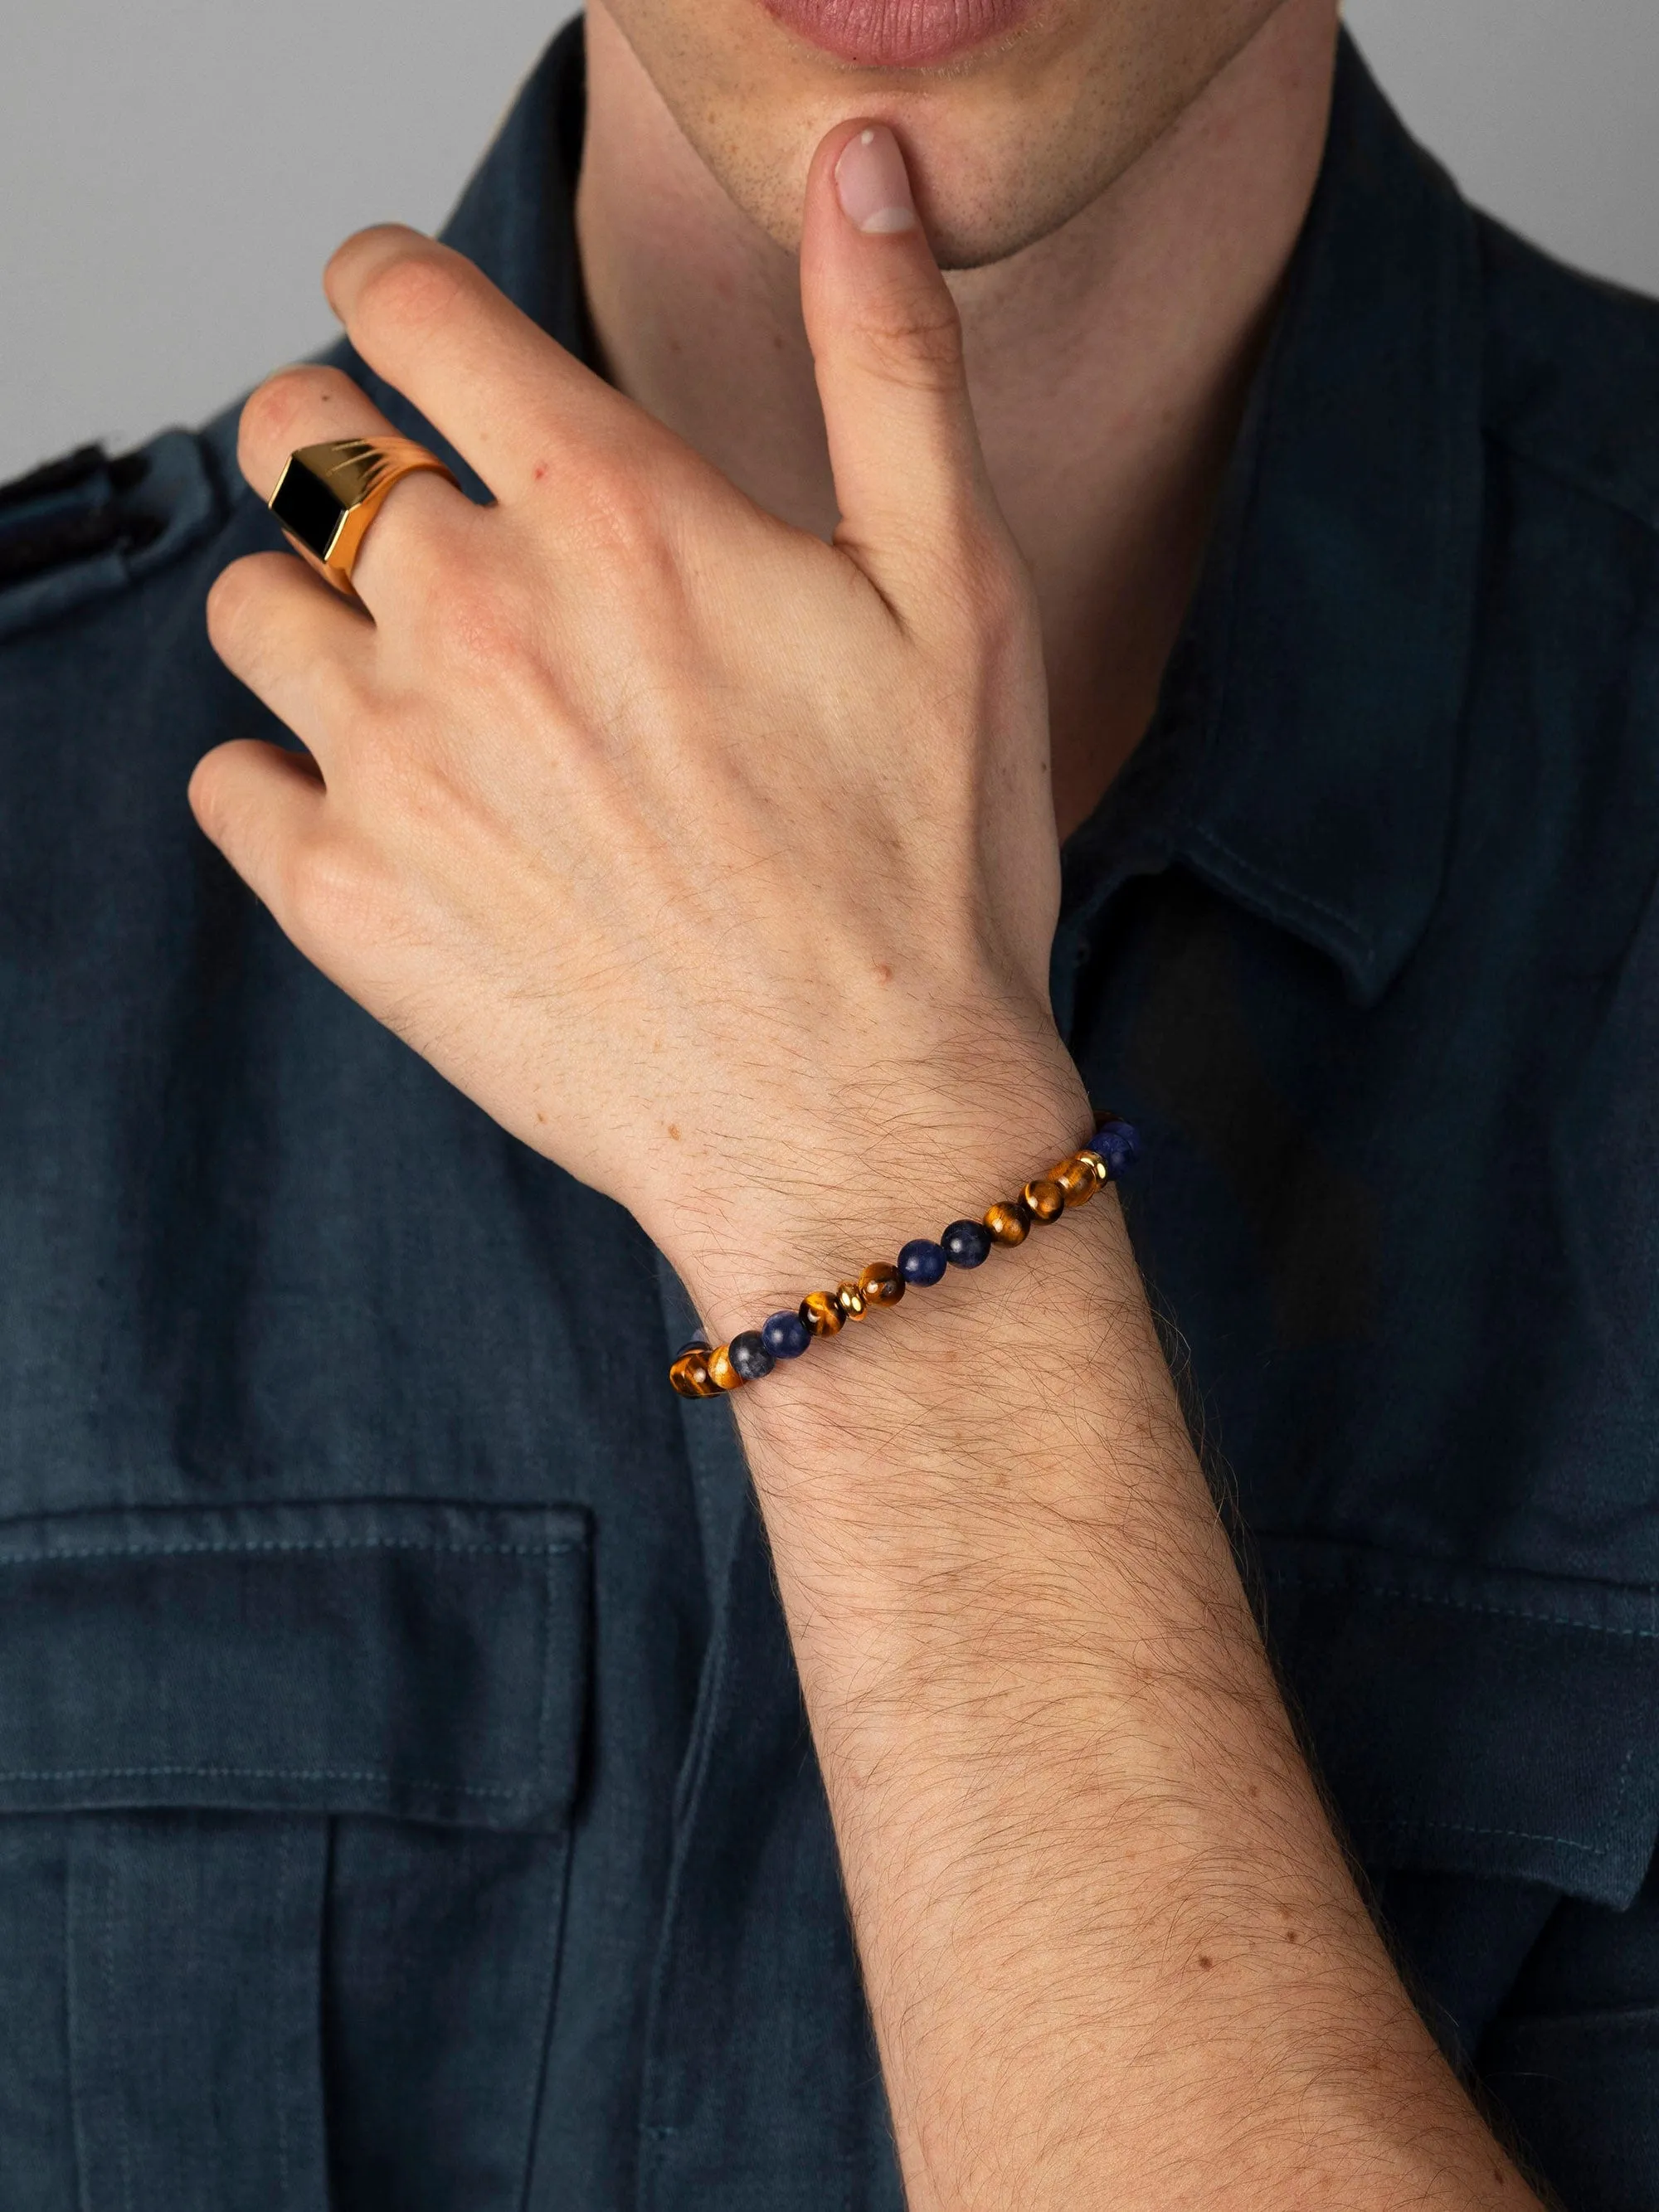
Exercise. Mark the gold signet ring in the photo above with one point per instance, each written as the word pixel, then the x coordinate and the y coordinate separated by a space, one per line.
pixel 329 493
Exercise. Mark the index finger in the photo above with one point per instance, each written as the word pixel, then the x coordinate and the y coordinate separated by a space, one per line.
pixel 504 393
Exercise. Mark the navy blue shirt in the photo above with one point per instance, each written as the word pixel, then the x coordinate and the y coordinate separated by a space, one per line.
pixel 404 1795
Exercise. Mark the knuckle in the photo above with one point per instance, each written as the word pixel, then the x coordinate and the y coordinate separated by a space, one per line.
pixel 342 698
pixel 919 347
pixel 481 630
pixel 616 516
pixel 207 795
pixel 411 287
pixel 274 412
pixel 229 598
pixel 370 237
pixel 994 592
pixel 472 613
pixel 326 895
pixel 983 586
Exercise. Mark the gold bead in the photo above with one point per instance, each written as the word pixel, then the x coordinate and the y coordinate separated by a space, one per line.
pixel 1045 1199
pixel 1077 1178
pixel 849 1301
pixel 881 1286
pixel 691 1377
pixel 821 1313
pixel 721 1373
pixel 1102 1174
pixel 1009 1223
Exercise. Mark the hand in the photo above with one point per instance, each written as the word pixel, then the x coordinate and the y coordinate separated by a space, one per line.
pixel 716 862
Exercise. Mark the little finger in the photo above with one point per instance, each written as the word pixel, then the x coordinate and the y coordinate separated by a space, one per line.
pixel 262 808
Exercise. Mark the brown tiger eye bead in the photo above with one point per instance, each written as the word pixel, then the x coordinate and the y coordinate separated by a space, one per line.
pixel 691 1377
pixel 881 1286
pixel 849 1301
pixel 1077 1178
pixel 721 1373
pixel 821 1313
pixel 1045 1199
pixel 1009 1223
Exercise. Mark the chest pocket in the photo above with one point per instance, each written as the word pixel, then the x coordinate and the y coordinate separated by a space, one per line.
pixel 284 1801
pixel 1474 1723
pixel 1492 1743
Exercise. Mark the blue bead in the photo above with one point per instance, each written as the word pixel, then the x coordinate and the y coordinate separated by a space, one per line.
pixel 1118 1144
pixel 967 1243
pixel 750 1356
pixel 785 1334
pixel 921 1261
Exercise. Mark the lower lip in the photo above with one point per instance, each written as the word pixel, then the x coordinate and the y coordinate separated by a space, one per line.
pixel 900 33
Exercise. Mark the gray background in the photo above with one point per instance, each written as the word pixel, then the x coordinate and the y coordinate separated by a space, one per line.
pixel 174 173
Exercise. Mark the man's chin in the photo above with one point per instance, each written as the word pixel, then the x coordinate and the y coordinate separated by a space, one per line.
pixel 995 102
pixel 987 183
pixel 963 234
pixel 1040 106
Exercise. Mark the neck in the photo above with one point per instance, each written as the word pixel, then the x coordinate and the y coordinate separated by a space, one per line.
pixel 1108 362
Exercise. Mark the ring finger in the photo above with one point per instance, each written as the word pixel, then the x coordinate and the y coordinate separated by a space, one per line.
pixel 311 406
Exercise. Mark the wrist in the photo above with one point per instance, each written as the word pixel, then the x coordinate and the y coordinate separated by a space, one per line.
pixel 958 1491
pixel 812 1207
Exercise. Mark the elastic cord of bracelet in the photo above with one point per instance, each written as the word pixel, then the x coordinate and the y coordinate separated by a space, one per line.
pixel 701 1370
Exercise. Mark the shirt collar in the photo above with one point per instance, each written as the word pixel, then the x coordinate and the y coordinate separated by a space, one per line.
pixel 517 218
pixel 517 221
pixel 1304 754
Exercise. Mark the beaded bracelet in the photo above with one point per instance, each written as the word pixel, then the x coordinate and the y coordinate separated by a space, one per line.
pixel 702 1371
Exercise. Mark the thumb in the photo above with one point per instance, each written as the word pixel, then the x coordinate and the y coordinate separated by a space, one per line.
pixel 887 347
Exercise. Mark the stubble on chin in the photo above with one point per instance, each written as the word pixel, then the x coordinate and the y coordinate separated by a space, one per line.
pixel 1005 147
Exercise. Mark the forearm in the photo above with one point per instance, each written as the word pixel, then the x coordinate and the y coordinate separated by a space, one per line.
pixel 1113 1951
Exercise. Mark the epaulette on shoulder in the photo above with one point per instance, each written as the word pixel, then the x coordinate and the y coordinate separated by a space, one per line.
pixel 70 510
pixel 87 524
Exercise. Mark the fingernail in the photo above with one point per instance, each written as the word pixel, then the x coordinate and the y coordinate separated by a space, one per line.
pixel 874 183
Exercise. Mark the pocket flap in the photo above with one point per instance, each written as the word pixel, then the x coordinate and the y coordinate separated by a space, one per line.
pixel 1471 1720
pixel 426 1661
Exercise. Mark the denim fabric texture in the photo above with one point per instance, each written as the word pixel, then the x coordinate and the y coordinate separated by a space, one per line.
pixel 405 1803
